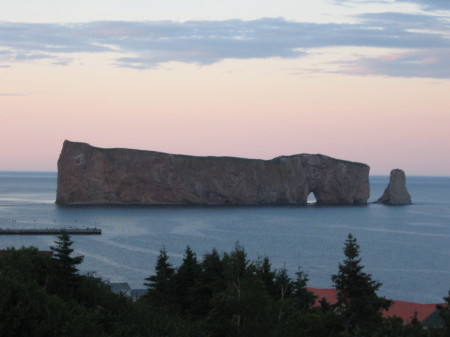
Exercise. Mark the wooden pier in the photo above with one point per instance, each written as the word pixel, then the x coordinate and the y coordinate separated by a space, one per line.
pixel 51 231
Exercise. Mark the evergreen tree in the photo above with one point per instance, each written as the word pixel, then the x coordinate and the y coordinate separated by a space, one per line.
pixel 26 264
pixel 28 310
pixel 211 281
pixel 65 278
pixel 235 263
pixel 304 298
pixel 444 312
pixel 36 301
pixel 358 305
pixel 186 281
pixel 212 273
pixel 283 284
pixel 265 273
pixel 284 304
pixel 244 307
pixel 160 285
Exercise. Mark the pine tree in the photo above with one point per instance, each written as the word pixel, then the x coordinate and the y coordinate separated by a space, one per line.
pixel 159 285
pixel 186 282
pixel 65 272
pixel 444 312
pixel 283 284
pixel 358 305
pixel 304 298
pixel 213 279
pixel 210 282
pixel 236 263
pixel 265 273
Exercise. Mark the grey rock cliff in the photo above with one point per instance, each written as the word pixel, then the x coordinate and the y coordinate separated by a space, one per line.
pixel 396 192
pixel 91 175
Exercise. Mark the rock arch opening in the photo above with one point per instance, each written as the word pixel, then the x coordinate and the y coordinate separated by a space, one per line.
pixel 311 199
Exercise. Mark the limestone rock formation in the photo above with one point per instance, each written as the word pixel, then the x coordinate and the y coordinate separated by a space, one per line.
pixel 91 175
pixel 396 192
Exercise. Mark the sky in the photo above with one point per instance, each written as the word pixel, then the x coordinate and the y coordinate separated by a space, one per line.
pixel 360 80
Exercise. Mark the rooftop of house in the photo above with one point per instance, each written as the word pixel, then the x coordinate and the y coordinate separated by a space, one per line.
pixel 407 311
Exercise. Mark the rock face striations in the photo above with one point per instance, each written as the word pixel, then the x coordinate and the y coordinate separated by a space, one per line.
pixel 91 175
pixel 396 192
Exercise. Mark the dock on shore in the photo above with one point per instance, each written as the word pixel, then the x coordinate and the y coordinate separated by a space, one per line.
pixel 51 231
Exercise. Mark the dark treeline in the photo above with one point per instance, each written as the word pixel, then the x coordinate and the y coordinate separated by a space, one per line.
pixel 219 294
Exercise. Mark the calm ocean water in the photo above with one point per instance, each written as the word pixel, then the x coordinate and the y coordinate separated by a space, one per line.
pixel 406 248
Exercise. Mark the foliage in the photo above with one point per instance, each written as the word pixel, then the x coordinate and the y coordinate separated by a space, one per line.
pixel 26 264
pixel 186 281
pixel 64 278
pixel 42 295
pixel 228 293
pixel 220 295
pixel 444 311
pixel 27 310
pixel 358 305
pixel 160 285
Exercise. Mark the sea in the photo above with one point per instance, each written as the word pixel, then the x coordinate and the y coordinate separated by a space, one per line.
pixel 406 248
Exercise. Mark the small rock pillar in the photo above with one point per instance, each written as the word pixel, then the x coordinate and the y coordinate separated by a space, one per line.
pixel 396 192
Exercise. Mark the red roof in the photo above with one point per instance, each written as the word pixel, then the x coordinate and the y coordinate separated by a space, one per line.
pixel 407 310
pixel 402 309
pixel 328 294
